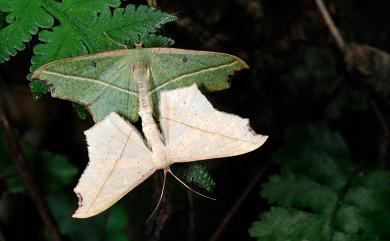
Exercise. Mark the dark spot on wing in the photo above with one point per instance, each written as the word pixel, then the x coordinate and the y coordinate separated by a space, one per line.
pixel 185 59
pixel 93 64
pixel 250 128
pixel 80 203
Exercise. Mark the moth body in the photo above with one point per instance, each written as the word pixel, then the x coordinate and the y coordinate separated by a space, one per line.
pixel 141 75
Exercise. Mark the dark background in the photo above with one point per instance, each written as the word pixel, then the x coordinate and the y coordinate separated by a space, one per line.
pixel 296 74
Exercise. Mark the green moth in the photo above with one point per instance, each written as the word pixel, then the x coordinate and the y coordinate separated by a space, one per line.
pixel 103 82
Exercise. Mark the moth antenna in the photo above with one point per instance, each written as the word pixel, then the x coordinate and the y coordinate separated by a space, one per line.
pixel 184 184
pixel 114 41
pixel 159 200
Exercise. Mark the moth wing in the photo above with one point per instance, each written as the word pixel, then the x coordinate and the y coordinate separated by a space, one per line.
pixel 194 130
pixel 177 68
pixel 98 81
pixel 118 161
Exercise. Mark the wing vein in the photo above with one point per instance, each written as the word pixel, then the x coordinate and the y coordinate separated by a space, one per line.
pixel 111 171
pixel 91 80
pixel 207 131
pixel 192 74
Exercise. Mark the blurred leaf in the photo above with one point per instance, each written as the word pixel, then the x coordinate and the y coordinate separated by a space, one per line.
pixel 15 184
pixel 58 170
pixel 117 221
pixel 371 64
pixel 107 226
pixel 347 98
pixel 313 72
pixel 55 169
pixel 7 170
pixel 320 195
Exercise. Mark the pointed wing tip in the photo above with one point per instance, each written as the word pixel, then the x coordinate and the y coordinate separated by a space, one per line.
pixel 80 214
pixel 242 63
pixel 80 211
pixel 262 140
pixel 37 76
pixel 256 141
pixel 37 72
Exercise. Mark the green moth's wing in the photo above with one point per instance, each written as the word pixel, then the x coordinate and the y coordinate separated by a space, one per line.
pixel 177 68
pixel 101 82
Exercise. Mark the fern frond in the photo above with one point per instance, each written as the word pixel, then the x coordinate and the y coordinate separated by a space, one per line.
pixel 320 195
pixel 83 28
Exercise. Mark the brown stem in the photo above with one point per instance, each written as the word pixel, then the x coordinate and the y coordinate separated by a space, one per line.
pixel 21 165
pixel 330 24
pixel 238 203
pixel 191 216
pixel 152 3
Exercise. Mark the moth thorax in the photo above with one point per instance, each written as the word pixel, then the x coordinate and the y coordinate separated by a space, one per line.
pixel 144 104
pixel 159 159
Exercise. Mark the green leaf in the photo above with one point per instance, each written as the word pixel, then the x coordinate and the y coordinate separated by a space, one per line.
pixel 38 89
pixel 15 184
pixel 317 152
pixel 2 19
pixel 58 170
pixel 117 219
pixel 197 175
pixel 313 196
pixel 81 111
pixel 98 228
pixel 87 29
pixel 104 82
pixel 320 195
pixel 84 27
pixel 7 169
pixel 24 18
pixel 282 224
pixel 152 40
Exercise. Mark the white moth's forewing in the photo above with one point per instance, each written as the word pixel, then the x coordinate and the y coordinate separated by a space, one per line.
pixel 118 161
pixel 194 130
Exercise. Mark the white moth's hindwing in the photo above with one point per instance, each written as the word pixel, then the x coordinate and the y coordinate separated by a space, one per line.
pixel 118 161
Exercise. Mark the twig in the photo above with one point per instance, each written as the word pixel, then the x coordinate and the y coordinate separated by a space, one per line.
pixel 22 168
pixel 156 224
pixel 152 3
pixel 384 142
pixel 238 202
pixel 331 26
pixel 191 216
